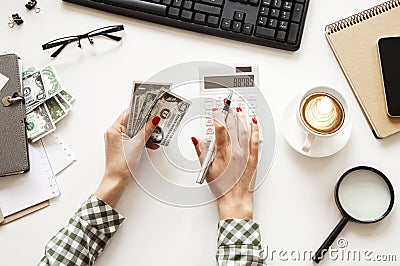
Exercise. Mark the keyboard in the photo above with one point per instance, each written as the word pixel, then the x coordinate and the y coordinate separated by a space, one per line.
pixel 273 23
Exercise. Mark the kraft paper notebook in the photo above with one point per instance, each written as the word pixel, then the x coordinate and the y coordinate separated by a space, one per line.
pixel 354 41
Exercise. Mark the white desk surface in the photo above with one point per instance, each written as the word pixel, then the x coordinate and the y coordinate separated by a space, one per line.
pixel 295 205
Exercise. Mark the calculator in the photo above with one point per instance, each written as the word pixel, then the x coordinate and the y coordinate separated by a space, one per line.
pixel 217 82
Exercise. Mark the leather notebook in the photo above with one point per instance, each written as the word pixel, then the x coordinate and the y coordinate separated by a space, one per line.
pixel 354 41
pixel 14 157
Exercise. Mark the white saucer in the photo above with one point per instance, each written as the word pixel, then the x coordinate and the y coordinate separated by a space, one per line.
pixel 295 135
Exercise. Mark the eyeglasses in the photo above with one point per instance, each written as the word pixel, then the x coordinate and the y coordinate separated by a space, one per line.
pixel 63 42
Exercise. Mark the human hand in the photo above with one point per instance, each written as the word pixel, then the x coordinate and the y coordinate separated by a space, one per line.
pixel 122 157
pixel 231 175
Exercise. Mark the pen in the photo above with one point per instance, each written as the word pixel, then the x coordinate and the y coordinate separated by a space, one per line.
pixel 211 147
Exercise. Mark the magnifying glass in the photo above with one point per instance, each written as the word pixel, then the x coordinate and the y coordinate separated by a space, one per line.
pixel 362 194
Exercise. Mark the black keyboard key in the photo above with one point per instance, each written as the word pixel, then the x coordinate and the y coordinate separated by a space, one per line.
pixel 280 36
pixel 237 26
pixel 262 21
pixel 287 6
pixel 247 29
pixel 264 11
pixel 226 24
pixel 285 15
pixel 207 9
pixel 266 2
pixel 213 21
pixel 274 13
pixel 177 3
pixel 187 15
pixel 239 15
pixel 298 10
pixel 138 5
pixel 167 2
pixel 157 1
pixel 293 31
pixel 277 3
pixel 272 23
pixel 199 18
pixel 213 2
pixel 283 25
pixel 188 4
pixel 173 12
pixel 264 32
pixel 243 1
pixel 254 2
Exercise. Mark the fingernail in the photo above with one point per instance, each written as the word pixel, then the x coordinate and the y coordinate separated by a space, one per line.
pixel 254 120
pixel 240 109
pixel 225 100
pixel 215 109
pixel 195 141
pixel 155 120
pixel 237 109
pixel 157 146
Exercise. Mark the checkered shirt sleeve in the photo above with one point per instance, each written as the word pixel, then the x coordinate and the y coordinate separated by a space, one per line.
pixel 82 241
pixel 239 243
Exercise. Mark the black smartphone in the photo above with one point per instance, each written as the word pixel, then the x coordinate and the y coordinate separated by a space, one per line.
pixel 389 54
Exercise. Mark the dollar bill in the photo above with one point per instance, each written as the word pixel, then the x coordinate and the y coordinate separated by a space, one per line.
pixel 39 123
pixel 64 103
pixel 171 108
pixel 144 96
pixel 56 110
pixel 67 96
pixel 51 81
pixel 34 91
pixel 28 71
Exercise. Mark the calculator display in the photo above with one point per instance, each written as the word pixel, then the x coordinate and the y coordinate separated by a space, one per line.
pixel 218 82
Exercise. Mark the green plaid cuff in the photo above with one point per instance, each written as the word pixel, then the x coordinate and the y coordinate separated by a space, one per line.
pixel 239 243
pixel 84 238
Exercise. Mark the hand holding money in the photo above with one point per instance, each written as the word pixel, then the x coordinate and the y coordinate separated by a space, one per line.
pixel 156 99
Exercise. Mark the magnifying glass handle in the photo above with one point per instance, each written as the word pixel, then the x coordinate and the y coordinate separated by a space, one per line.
pixel 319 254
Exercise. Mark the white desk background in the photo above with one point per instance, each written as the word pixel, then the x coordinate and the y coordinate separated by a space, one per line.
pixel 295 204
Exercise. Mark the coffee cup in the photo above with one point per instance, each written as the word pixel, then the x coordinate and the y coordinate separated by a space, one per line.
pixel 321 113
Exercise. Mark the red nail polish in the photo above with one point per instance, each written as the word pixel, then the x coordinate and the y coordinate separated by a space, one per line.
pixel 237 109
pixel 156 146
pixel 195 141
pixel 225 100
pixel 215 109
pixel 240 109
pixel 155 120
pixel 254 120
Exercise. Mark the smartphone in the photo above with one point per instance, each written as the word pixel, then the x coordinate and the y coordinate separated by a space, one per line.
pixel 389 55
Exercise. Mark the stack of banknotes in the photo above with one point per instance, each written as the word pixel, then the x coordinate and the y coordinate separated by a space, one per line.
pixel 46 101
pixel 155 99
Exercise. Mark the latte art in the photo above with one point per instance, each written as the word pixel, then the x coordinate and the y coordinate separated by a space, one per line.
pixel 322 113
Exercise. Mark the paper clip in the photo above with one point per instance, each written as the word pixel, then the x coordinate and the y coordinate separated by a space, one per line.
pixel 32 5
pixel 15 19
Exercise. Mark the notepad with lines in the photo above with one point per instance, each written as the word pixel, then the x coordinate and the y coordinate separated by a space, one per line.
pixel 354 41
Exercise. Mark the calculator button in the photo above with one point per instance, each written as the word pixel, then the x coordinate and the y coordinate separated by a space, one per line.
pixel 283 25
pixel 219 105
pixel 208 114
pixel 247 29
pixel 186 15
pixel 251 97
pixel 239 15
pixel 199 18
pixel 264 11
pixel 209 122
pixel 236 26
pixel 208 106
pixel 226 24
pixel 213 21
pixel 253 105
pixel 262 21
pixel 272 23
pixel 294 29
pixel 298 10
pixel 210 130
pixel 208 138
pixel 264 32
pixel 275 13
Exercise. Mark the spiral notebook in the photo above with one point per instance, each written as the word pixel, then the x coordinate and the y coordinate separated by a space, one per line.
pixel 354 41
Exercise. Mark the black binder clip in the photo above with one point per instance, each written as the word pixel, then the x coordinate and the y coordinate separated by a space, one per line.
pixel 15 19
pixel 10 100
pixel 32 5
